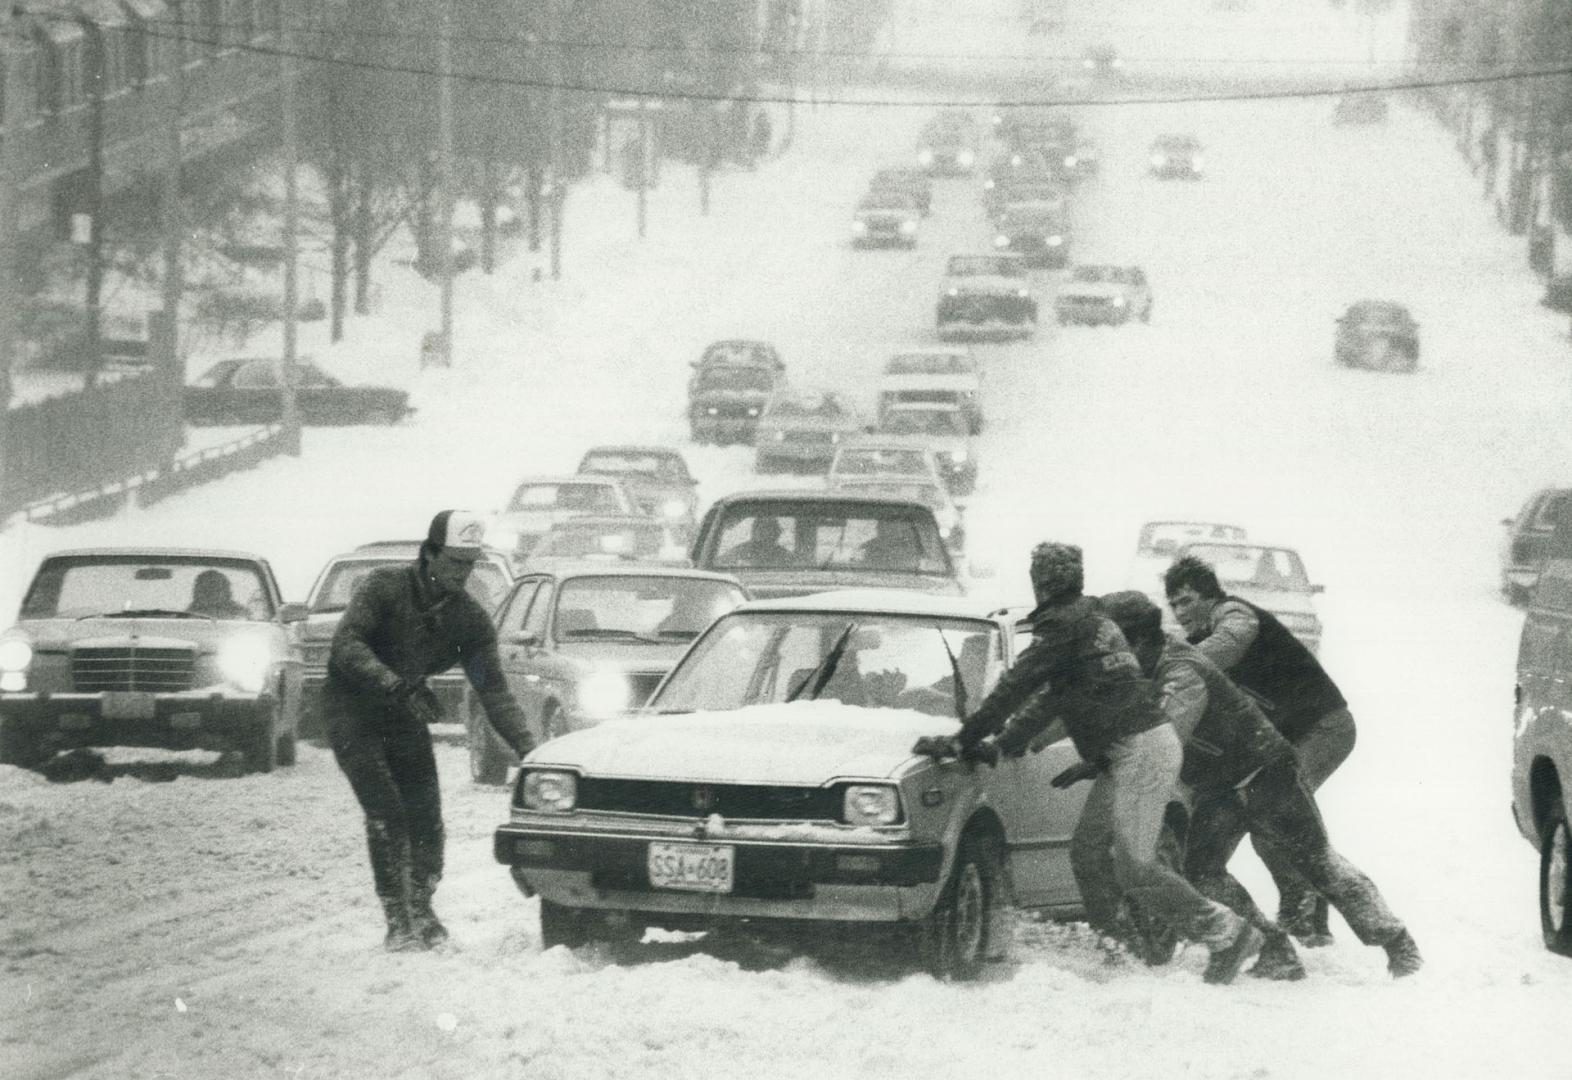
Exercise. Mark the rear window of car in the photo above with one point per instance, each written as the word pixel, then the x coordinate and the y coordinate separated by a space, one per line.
pixel 1252 566
pixel 821 408
pixel 588 498
pixel 658 465
pixel 983 265
pixel 929 364
pixel 573 540
pixel 870 462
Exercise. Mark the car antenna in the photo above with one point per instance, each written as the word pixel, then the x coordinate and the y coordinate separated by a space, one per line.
pixel 955 671
pixel 820 675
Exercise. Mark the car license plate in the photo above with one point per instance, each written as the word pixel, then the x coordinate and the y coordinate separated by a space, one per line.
pixel 691 867
pixel 127 705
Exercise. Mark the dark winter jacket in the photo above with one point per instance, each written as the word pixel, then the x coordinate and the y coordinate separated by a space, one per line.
pixel 1263 656
pixel 1226 736
pixel 398 631
pixel 1079 668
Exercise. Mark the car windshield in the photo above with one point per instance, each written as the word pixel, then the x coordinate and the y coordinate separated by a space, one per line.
pixel 583 498
pixel 632 607
pixel 923 422
pixel 739 352
pixel 930 364
pixel 1252 566
pixel 126 586
pixel 578 540
pixel 486 583
pixel 1177 143
pixel 820 407
pixel 1097 274
pixel 730 377
pixel 884 662
pixel 870 461
pixel 830 535
pixel 1031 216
pixel 1165 537
pixel 983 266
pixel 631 463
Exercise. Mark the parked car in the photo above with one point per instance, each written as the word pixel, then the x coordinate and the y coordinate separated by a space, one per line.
pixel 1158 545
pixel 731 382
pixel 247 392
pixel 613 538
pixel 580 645
pixel 1542 742
pixel 1102 60
pixel 884 217
pixel 178 648
pixel 329 597
pixel 788 543
pixel 927 488
pixel 1272 578
pixel 1022 176
pixel 1101 293
pixel 1527 541
pixel 934 376
pixel 1378 335
pixel 914 183
pixel 771 780
pixel 1177 157
pixel 949 143
pixel 656 477
pixel 943 430
pixel 539 502
pixel 986 296
pixel 1366 108
pixel 1037 231
pixel 801 428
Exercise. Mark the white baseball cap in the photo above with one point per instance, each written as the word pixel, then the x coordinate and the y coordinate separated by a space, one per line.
pixel 461 533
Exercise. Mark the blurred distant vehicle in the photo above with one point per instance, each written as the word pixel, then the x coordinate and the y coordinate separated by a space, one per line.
pixel 731 382
pixel 790 543
pixel 247 392
pixel 329 597
pixel 1081 159
pixel 914 183
pixel 1177 157
pixel 948 145
pixel 1032 180
pixel 1037 231
pixel 941 429
pixel 800 430
pixel 582 644
pixel 986 296
pixel 1378 335
pixel 934 377
pixel 1158 546
pixel 929 490
pixel 1272 578
pixel 656 477
pixel 885 217
pixel 1102 60
pixel 1527 541
pixel 177 648
pixel 611 538
pixel 539 502
pixel 874 458
pixel 1036 127
pixel 1098 293
pixel 1360 109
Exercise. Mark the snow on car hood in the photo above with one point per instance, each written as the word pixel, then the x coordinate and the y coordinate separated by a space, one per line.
pixel 803 743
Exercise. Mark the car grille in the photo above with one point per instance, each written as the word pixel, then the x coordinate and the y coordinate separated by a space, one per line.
pixel 644 684
pixel 733 411
pixel 809 437
pixel 1086 301
pixel 732 801
pixel 127 667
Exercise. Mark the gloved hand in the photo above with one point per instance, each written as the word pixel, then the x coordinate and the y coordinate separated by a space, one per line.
pixel 417 702
pixel 937 746
pixel 983 751
pixel 1081 770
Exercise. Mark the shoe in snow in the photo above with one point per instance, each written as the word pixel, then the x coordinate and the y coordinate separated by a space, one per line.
pixel 1402 956
pixel 1226 960
pixel 401 935
pixel 1278 960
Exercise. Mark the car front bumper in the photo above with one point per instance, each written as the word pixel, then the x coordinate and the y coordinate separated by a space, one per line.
pixel 854 882
pixel 193 720
pixel 1093 313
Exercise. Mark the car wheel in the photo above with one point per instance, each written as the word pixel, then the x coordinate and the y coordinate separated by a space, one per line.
pixel 563 925
pixel 488 764
pixel 955 939
pixel 18 745
pixel 1555 883
pixel 259 744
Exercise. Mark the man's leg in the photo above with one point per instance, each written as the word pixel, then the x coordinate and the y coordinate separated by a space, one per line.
pixel 1091 857
pixel 414 769
pixel 360 752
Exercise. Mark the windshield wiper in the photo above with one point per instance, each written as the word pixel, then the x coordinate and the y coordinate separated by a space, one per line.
pixel 607 631
pixel 681 635
pixel 147 613
pixel 820 675
pixel 955 673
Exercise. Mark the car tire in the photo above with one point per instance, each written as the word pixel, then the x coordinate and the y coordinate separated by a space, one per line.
pixel 1555 882
pixel 955 939
pixel 259 744
pixel 488 762
pixel 18 745
pixel 563 925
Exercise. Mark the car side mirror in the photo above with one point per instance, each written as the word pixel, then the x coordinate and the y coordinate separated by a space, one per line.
pixel 292 613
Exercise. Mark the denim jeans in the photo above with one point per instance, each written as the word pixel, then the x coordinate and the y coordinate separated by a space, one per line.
pixel 1320 750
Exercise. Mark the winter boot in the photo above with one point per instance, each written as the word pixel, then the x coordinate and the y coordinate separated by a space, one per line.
pixel 1278 960
pixel 401 931
pixel 1227 959
pixel 1306 918
pixel 427 927
pixel 1402 956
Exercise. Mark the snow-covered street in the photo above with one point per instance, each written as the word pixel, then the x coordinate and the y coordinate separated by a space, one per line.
pixel 183 921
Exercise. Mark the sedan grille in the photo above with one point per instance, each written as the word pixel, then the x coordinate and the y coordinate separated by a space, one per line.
pixel 127 667
pixel 809 436
pixel 732 801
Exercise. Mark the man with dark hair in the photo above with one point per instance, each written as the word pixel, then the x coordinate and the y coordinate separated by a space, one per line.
pixel 1264 658
pixel 1245 777
pixel 404 624
pixel 1079 676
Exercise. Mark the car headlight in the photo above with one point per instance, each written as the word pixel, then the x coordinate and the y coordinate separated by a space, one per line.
pixel 908 227
pixel 1022 294
pixel 835 436
pixel 780 436
pixel 965 158
pixel 1088 63
pixel 674 508
pixel 1118 301
pixel 958 456
pixel 1053 241
pixel 859 227
pixel 1001 241
pixel 952 292
pixel 245 661
pixel 555 791
pixel 1015 160
pixel 753 410
pixel 871 804
pixel 987 185
pixel 604 693
pixel 1070 161
pixel 16 656
pixel 925 157
pixel 1158 161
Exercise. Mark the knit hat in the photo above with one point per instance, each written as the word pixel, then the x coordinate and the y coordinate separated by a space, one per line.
pixel 1056 569
pixel 1133 611
pixel 461 533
